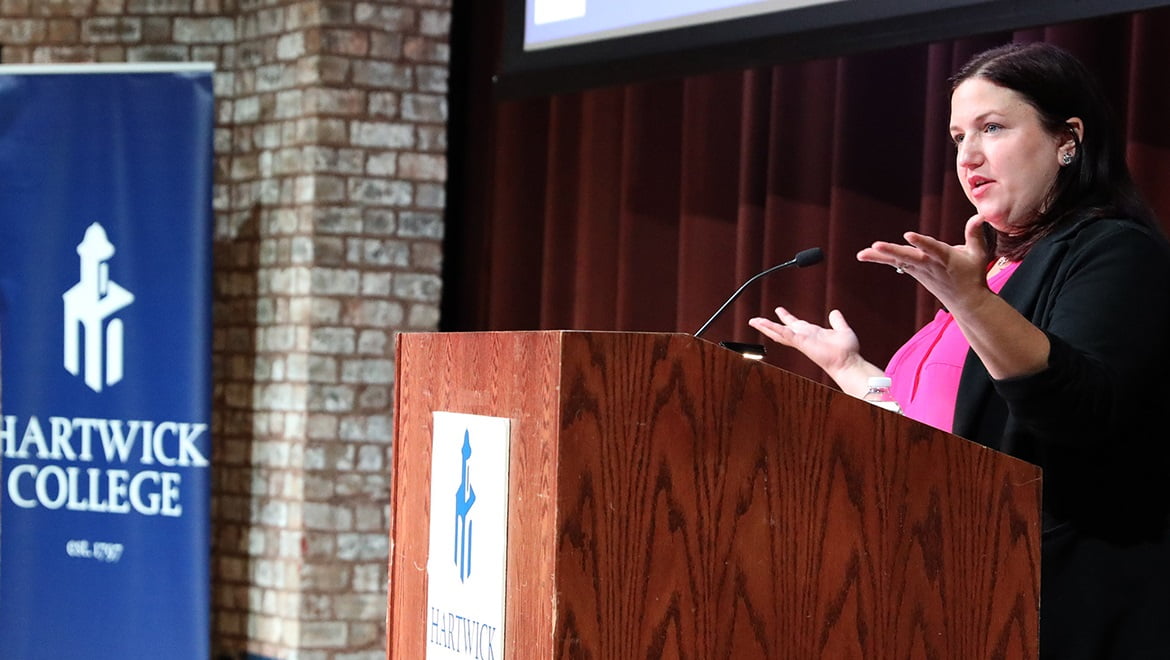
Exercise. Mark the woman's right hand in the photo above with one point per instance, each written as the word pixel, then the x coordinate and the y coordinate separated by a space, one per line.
pixel 834 349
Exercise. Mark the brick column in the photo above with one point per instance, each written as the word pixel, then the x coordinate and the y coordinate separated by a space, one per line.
pixel 330 169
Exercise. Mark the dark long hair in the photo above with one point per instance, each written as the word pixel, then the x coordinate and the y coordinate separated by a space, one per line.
pixel 1097 182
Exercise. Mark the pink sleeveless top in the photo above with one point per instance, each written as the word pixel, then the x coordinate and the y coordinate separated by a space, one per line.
pixel 925 371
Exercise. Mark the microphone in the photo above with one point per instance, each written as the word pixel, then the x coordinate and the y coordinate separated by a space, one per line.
pixel 809 257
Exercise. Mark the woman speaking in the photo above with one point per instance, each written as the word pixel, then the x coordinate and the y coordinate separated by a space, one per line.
pixel 1053 342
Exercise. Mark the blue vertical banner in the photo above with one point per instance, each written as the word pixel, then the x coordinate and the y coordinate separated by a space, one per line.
pixel 105 333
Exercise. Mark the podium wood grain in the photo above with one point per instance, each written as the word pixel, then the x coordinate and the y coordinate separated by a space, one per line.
pixel 669 499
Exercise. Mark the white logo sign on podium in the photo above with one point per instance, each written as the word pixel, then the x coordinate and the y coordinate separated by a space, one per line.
pixel 466 569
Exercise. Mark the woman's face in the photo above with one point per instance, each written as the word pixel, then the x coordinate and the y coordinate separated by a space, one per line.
pixel 1007 161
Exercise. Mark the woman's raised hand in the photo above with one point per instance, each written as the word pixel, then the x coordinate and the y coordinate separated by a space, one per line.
pixel 955 274
pixel 834 349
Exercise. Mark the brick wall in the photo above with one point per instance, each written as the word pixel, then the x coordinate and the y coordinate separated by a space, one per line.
pixel 329 191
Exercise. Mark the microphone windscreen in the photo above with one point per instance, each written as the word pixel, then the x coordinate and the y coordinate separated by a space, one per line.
pixel 809 257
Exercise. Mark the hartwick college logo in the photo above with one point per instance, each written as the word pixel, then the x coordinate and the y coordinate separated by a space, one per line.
pixel 464 500
pixel 89 306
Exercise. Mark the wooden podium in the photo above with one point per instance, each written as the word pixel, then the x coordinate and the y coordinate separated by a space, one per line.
pixel 670 499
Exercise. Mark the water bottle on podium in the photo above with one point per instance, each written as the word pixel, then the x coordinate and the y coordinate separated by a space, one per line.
pixel 878 393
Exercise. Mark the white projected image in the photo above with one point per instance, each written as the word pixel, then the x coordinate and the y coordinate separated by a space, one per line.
pixel 551 23
pixel 552 11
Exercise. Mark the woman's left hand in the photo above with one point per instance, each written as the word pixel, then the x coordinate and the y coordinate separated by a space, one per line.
pixel 955 274
pixel 1007 343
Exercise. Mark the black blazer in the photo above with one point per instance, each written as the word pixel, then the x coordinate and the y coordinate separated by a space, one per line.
pixel 1096 420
